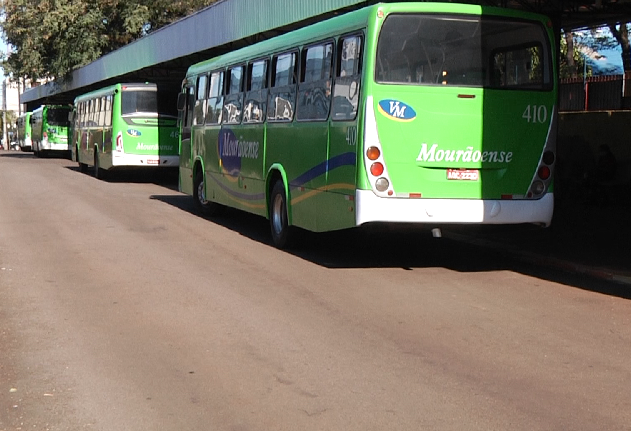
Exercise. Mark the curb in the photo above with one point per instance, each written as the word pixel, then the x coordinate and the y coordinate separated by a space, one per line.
pixel 552 262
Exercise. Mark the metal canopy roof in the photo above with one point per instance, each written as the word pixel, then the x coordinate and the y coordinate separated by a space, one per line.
pixel 164 55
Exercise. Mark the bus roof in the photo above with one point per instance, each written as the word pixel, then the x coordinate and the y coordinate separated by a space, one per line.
pixel 342 24
pixel 348 22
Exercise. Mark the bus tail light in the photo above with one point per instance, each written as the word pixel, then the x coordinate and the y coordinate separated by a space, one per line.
pixel 544 172
pixel 376 169
pixel 548 158
pixel 373 153
pixel 382 184
pixel 374 163
pixel 537 188
pixel 119 142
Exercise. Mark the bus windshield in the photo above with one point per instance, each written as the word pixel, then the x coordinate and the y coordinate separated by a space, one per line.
pixel 432 49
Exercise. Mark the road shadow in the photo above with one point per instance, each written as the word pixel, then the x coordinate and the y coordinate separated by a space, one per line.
pixel 400 246
pixel 17 154
pixel 165 177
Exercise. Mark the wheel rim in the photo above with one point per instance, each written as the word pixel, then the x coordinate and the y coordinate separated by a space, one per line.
pixel 277 214
pixel 200 193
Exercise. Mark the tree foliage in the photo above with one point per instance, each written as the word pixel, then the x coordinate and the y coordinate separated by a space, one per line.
pixel 621 33
pixel 571 61
pixel 51 38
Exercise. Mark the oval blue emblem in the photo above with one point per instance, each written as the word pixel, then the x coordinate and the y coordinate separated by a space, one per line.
pixel 133 132
pixel 396 110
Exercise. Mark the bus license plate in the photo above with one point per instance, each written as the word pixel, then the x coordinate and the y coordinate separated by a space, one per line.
pixel 463 174
pixel 153 161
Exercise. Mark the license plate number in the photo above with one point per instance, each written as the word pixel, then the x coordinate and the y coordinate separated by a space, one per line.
pixel 153 161
pixel 463 174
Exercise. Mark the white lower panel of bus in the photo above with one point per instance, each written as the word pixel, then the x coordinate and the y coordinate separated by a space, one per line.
pixel 122 159
pixel 371 208
pixel 47 146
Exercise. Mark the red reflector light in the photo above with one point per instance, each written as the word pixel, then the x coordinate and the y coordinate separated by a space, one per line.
pixel 544 172
pixel 376 169
pixel 373 153
pixel 415 195
pixel 507 197
pixel 466 96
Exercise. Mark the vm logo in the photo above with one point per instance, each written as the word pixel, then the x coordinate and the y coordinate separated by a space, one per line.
pixel 397 110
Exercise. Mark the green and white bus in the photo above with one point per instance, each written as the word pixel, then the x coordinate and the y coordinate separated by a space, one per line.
pixel 23 125
pixel 399 113
pixel 49 129
pixel 124 126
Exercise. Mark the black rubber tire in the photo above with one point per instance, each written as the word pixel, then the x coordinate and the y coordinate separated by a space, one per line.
pixel 283 235
pixel 83 167
pixel 99 172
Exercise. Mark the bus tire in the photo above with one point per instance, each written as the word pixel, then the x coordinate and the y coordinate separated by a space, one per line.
pixel 83 167
pixel 205 207
pixel 283 235
pixel 99 172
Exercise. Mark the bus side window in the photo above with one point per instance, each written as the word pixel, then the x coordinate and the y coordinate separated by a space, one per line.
pixel 187 111
pixel 108 111
pixel 314 92
pixel 199 111
pixel 347 78
pixel 80 115
pixel 215 98
pixel 91 114
pixel 256 95
pixel 102 112
pixel 282 96
pixel 233 106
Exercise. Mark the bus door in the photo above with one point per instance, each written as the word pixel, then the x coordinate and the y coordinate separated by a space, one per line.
pixel 186 102
pixel 312 132
pixel 241 136
pixel 251 135
pixel 94 133
pixel 341 179
pixel 287 143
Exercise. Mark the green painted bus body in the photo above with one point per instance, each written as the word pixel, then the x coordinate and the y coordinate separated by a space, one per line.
pixel 49 129
pixel 109 132
pixel 23 124
pixel 462 153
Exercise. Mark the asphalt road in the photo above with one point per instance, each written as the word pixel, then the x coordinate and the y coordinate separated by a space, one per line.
pixel 121 309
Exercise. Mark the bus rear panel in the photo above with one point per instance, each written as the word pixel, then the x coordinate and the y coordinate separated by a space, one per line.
pixel 459 121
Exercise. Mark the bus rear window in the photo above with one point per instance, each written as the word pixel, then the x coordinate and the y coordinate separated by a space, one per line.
pixel 462 50
pixel 139 101
pixel 57 116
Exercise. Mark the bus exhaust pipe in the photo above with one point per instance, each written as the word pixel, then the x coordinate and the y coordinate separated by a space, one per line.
pixel 437 233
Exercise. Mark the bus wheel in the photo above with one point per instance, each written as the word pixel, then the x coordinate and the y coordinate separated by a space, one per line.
pixel 204 206
pixel 83 168
pixel 99 173
pixel 283 235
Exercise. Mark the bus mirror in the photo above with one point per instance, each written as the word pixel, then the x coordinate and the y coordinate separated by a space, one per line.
pixel 181 101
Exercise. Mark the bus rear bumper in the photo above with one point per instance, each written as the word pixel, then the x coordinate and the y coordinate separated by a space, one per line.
pixel 52 146
pixel 145 160
pixel 371 208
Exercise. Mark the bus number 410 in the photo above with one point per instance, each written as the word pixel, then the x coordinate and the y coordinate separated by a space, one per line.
pixel 535 114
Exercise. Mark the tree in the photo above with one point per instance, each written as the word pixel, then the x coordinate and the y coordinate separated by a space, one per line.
pixel 51 38
pixel 621 33
pixel 571 60
pixel 609 37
